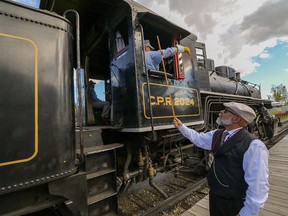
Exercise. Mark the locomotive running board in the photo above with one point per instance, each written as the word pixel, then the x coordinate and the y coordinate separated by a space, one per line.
pixel 160 127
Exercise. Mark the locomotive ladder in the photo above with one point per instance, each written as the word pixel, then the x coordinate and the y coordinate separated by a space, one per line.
pixel 100 169
pixel 92 191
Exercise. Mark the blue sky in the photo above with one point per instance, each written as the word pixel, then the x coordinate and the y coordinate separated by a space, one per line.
pixel 33 3
pixel 100 89
pixel 272 69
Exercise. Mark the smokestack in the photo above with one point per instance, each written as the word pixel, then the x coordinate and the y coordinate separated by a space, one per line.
pixel 238 76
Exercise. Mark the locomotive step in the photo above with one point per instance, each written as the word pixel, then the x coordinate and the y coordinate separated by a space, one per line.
pixel 102 148
pixel 99 173
pixel 99 148
pixel 99 158
pixel 102 196
pixel 91 135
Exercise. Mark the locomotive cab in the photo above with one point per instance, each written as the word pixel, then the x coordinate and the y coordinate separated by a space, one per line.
pixel 112 51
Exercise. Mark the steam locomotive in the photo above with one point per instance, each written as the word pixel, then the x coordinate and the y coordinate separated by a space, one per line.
pixel 57 156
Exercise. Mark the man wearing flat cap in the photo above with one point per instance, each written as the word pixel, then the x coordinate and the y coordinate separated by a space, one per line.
pixel 238 176
pixel 154 58
pixel 97 103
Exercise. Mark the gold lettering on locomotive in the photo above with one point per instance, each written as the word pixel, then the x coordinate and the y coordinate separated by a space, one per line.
pixel 184 102
pixel 152 99
pixel 179 100
pixel 160 100
pixel 167 101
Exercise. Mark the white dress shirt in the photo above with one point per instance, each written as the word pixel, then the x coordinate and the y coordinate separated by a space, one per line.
pixel 255 166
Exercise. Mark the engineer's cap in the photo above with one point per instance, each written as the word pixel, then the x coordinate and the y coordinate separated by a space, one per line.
pixel 147 43
pixel 242 110
pixel 91 83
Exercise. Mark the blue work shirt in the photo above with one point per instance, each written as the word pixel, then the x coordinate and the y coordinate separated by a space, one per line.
pixel 153 58
pixel 93 95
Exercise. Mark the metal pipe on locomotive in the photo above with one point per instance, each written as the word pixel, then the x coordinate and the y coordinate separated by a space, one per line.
pixel 50 163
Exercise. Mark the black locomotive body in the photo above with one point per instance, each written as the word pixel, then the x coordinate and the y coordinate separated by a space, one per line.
pixel 46 161
pixel 37 131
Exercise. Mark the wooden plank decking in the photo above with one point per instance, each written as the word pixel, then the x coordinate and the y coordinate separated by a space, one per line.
pixel 277 203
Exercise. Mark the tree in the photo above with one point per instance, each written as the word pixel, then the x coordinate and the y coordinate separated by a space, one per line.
pixel 279 93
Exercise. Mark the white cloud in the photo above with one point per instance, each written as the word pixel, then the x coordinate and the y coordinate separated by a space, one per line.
pixel 234 31
pixel 96 81
pixel 265 55
pixel 268 21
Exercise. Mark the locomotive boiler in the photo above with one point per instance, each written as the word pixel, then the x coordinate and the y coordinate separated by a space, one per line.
pixel 57 156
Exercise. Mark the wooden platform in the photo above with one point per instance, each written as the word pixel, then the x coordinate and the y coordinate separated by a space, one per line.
pixel 277 203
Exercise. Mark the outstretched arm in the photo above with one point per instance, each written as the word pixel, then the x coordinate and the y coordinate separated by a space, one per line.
pixel 202 140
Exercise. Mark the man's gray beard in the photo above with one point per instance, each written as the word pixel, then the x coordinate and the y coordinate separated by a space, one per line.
pixel 223 122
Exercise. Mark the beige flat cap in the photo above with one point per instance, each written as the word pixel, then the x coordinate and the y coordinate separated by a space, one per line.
pixel 242 110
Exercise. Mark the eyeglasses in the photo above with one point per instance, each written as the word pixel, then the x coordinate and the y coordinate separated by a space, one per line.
pixel 228 110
